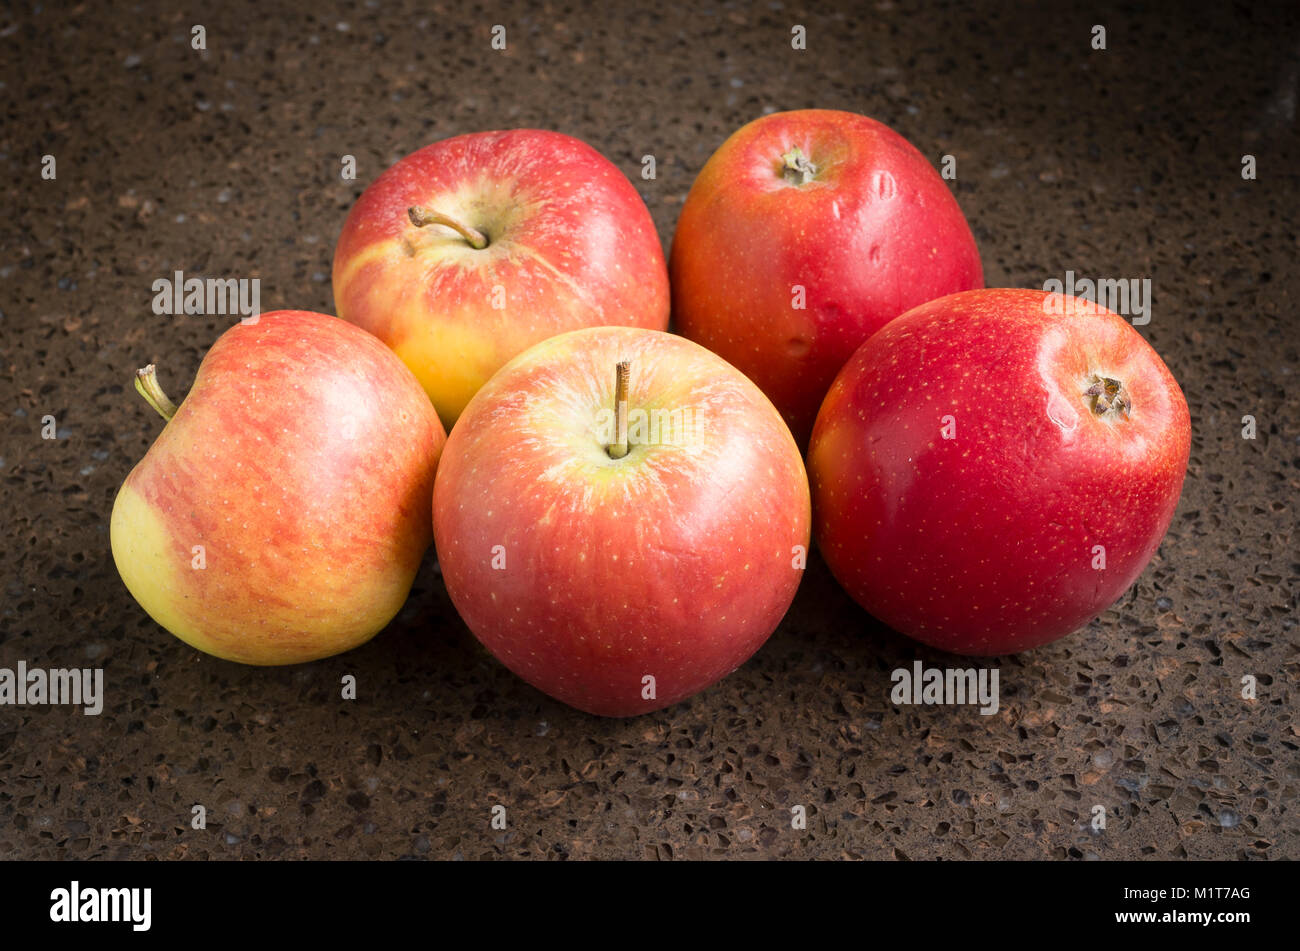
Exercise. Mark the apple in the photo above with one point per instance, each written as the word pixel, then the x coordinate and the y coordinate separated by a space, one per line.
pixel 470 250
pixel 282 513
pixel 621 518
pixel 804 234
pixel 995 468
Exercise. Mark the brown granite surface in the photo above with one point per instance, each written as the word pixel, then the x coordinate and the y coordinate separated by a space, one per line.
pixel 1123 163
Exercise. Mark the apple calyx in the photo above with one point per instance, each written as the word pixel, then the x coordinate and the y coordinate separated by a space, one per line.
pixel 424 216
pixel 619 447
pixel 1108 397
pixel 146 384
pixel 796 167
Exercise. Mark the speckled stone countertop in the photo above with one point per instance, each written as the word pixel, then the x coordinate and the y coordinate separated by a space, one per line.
pixel 1121 163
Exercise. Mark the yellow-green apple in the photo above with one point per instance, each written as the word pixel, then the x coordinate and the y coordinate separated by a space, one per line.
pixel 472 249
pixel 282 513
pixel 621 517
pixel 804 234
pixel 995 468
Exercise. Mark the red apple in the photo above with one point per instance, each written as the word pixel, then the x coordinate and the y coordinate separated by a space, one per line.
pixel 283 511
pixel 621 584
pixel 473 249
pixel 805 233
pixel 988 475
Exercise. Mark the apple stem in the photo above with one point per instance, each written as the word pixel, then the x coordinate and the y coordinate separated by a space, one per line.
pixel 1108 396
pixel 146 384
pixel 619 449
pixel 796 168
pixel 425 216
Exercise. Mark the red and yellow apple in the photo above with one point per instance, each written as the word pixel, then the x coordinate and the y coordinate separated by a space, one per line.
pixel 621 575
pixel 995 468
pixel 804 234
pixel 282 513
pixel 472 249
